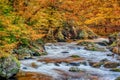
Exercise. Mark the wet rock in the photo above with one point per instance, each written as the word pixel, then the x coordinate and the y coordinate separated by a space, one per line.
pixel 103 43
pixel 110 54
pixel 59 60
pixel 96 64
pixel 111 64
pixel 118 57
pixel 104 60
pixel 84 63
pixel 24 67
pixel 9 65
pixel 75 63
pixel 74 69
pixel 57 64
pixel 65 52
pixel 115 69
pixel 64 63
pixel 116 50
pixel 32 76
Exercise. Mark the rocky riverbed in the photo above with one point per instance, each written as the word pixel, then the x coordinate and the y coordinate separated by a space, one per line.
pixel 72 61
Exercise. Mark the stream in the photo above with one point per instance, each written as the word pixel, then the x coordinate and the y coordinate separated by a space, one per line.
pixel 60 71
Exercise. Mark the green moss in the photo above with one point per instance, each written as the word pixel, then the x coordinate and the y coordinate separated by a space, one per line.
pixel 24 41
pixel 74 56
pixel 16 60
pixel 115 69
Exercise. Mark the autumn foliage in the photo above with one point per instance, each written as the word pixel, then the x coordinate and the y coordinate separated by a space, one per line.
pixel 32 19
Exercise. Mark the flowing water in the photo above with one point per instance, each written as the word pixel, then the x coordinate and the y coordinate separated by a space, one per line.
pixel 63 50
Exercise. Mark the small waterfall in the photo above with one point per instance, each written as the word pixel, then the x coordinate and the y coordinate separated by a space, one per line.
pixel 87 63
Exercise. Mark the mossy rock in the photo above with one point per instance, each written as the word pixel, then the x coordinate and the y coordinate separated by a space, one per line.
pixel 85 43
pixel 75 56
pixel 83 34
pixel 9 65
pixel 94 47
pixel 118 78
pixel 115 69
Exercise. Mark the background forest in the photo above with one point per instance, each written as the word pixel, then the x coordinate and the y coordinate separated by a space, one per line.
pixel 23 20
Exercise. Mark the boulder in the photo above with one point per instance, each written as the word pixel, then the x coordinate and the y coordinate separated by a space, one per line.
pixel 34 48
pixel 9 65
pixel 23 53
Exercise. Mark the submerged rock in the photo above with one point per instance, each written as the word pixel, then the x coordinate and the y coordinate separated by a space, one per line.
pixel 74 69
pixel 65 52
pixel 9 65
pixel 75 63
